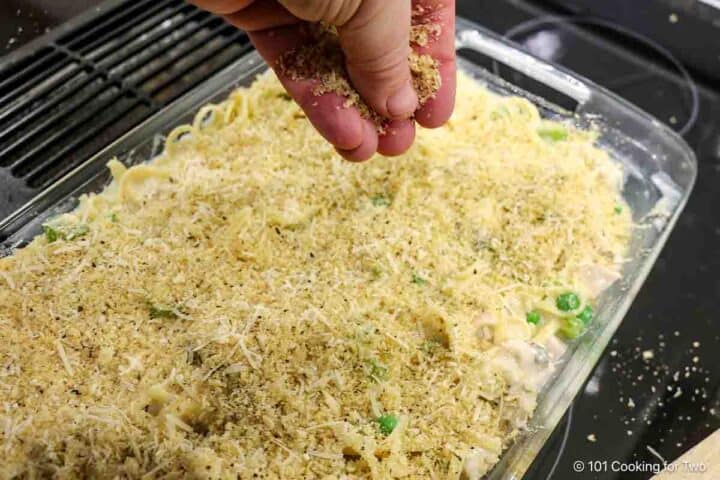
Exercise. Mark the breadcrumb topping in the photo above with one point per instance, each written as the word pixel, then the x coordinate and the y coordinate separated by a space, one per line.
pixel 249 305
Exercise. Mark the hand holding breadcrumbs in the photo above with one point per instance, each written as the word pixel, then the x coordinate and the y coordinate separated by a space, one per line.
pixel 364 71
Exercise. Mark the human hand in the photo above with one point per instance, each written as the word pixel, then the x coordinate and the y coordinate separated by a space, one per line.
pixel 374 35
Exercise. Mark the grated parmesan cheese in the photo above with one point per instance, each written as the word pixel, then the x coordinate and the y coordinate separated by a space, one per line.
pixel 248 304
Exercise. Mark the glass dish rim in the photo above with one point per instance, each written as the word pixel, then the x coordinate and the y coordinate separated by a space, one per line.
pixel 517 459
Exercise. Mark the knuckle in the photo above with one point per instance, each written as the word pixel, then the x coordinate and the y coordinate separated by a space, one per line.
pixel 323 9
pixel 341 11
pixel 305 9
pixel 385 64
pixel 334 12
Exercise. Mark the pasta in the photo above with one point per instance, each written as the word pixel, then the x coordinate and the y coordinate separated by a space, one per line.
pixel 249 305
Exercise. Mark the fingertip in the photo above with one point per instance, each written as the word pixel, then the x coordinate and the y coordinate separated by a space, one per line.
pixel 367 147
pixel 438 110
pixel 338 124
pixel 403 103
pixel 398 138
pixel 344 128
pixel 376 45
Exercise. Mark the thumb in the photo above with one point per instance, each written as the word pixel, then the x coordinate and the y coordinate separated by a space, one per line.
pixel 376 45
pixel 375 37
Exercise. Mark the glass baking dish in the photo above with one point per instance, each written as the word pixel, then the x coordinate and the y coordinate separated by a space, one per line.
pixel 660 171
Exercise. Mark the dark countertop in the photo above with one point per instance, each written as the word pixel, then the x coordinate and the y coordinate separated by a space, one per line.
pixel 24 20
pixel 669 401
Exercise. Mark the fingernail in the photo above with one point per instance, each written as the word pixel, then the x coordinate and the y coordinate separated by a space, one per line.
pixel 403 103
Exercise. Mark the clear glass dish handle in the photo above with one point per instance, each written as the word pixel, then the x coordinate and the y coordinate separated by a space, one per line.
pixel 670 155
pixel 472 36
pixel 663 171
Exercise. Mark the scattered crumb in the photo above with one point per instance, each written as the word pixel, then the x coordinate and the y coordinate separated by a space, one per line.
pixel 426 76
pixel 655 453
pixel 673 18
pixel 421 35
pixel 324 61
pixel 592 438
pixel 418 11
pixel 629 432
pixel 651 381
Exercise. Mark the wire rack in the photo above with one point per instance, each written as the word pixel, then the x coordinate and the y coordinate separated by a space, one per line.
pixel 67 98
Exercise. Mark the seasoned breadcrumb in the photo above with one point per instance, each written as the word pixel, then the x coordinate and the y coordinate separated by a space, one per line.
pixel 323 60
pixel 249 305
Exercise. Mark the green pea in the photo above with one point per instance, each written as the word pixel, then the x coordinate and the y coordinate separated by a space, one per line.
pixel 567 302
pixel 161 311
pixel 418 280
pixel 387 423
pixel 378 371
pixel 499 113
pixel 51 234
pixel 77 232
pixel 572 328
pixel 381 201
pixel 618 209
pixel 586 315
pixel 430 347
pixel 553 133
pixel 533 317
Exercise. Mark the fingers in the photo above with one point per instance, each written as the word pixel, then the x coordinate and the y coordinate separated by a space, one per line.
pixel 374 35
pixel 274 32
pixel 339 125
pixel 367 148
pixel 398 138
pixel 438 110
pixel 334 12
pixel 376 45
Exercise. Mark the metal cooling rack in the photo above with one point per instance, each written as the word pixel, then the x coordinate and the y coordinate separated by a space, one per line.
pixel 69 94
